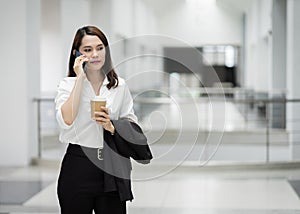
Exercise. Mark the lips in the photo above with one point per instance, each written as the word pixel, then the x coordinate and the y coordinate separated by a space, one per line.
pixel 96 61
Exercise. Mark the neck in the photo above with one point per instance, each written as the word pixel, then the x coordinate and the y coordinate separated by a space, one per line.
pixel 94 76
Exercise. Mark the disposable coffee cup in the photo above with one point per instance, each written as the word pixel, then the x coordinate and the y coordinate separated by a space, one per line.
pixel 96 105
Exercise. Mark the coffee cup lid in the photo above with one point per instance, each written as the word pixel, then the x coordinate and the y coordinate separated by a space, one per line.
pixel 99 98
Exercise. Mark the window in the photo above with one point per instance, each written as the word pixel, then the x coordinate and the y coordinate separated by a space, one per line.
pixel 219 55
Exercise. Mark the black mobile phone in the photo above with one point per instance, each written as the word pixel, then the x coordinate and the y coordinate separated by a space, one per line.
pixel 77 54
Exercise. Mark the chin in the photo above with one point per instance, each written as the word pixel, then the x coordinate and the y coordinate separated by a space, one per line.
pixel 96 67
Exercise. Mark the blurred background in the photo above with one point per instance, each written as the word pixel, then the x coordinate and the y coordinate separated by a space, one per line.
pixel 171 53
pixel 214 82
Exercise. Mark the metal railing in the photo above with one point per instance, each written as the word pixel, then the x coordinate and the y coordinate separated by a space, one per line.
pixel 38 102
pixel 244 105
pixel 246 102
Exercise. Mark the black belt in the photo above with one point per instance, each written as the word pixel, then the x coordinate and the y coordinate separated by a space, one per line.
pixel 83 151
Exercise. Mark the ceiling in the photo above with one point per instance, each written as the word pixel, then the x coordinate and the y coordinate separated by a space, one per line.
pixel 162 6
pixel 238 5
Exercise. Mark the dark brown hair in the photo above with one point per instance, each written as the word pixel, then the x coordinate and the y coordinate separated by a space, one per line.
pixel 107 67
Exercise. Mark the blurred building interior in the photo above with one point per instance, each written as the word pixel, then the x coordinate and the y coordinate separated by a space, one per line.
pixel 215 88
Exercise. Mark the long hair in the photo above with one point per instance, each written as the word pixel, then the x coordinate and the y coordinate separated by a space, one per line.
pixel 107 67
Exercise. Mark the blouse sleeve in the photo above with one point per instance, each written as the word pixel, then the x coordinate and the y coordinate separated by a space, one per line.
pixel 63 93
pixel 127 106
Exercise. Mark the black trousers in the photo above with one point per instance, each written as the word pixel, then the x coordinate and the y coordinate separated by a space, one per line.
pixel 80 185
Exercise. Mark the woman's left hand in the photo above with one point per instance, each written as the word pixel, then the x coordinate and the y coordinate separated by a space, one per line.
pixel 103 119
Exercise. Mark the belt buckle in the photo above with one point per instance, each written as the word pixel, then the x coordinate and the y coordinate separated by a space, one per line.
pixel 99 154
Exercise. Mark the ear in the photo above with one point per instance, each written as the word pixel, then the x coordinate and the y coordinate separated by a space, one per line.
pixel 73 52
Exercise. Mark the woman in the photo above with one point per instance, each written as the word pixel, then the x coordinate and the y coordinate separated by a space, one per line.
pixel 81 187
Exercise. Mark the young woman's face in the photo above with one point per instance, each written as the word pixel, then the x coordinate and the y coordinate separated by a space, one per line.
pixel 93 48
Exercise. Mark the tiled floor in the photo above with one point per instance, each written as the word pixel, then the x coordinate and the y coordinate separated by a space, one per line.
pixel 185 190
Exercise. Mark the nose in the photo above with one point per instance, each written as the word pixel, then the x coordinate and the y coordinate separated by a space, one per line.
pixel 95 53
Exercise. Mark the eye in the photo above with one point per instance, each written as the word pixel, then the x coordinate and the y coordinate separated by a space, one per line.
pixel 100 48
pixel 87 50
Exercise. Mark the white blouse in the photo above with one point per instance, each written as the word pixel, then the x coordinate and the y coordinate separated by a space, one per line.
pixel 84 131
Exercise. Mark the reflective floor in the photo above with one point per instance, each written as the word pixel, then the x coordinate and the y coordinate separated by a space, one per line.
pixel 160 189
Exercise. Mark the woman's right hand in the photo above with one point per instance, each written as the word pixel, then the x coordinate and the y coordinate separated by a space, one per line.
pixel 78 68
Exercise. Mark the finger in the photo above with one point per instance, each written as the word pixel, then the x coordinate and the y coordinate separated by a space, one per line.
pixel 105 125
pixel 103 122
pixel 81 59
pixel 102 119
pixel 99 123
pixel 81 56
pixel 101 114
pixel 104 109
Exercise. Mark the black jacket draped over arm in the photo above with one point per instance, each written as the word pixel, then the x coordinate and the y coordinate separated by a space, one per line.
pixel 128 142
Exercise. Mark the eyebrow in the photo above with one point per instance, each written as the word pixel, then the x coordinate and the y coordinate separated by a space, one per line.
pixel 91 46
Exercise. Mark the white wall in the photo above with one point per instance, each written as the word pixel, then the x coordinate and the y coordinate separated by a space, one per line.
pixel 33 31
pixel 279 32
pixel 60 20
pixel 193 23
pixel 293 76
pixel 13 84
pixel 145 19
pixel 122 19
pixel 19 82
pixel 258 44
pixel 51 45
pixel 201 22
pixel 132 21
pixel 101 15
pixel 144 73
pixel 74 14
pixel 118 19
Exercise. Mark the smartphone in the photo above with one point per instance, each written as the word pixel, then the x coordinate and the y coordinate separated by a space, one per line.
pixel 77 54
